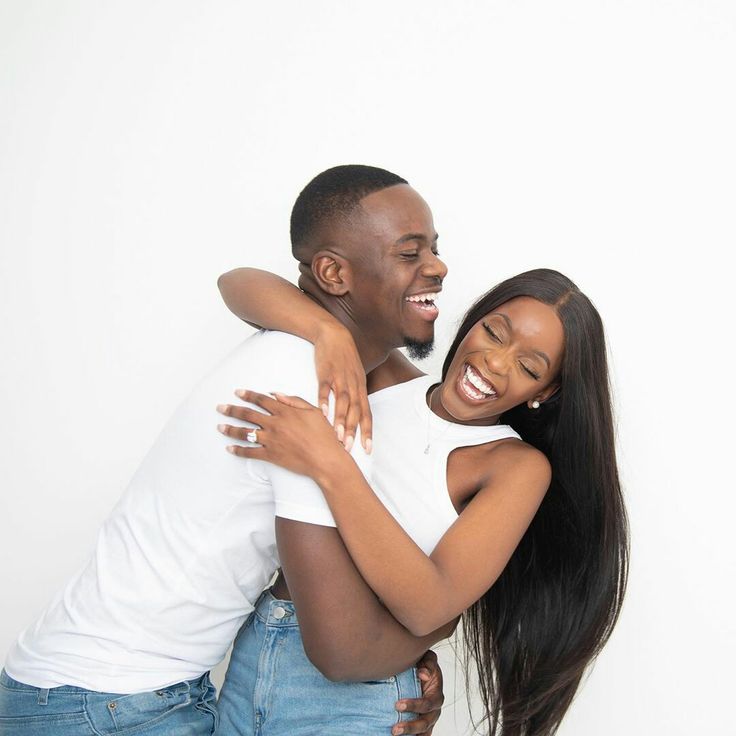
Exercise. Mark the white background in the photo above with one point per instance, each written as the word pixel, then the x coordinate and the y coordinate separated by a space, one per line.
pixel 145 147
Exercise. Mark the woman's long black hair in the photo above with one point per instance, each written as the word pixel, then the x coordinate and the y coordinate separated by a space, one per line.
pixel 548 615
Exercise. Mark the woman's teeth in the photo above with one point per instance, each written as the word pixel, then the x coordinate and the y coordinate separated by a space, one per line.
pixel 475 387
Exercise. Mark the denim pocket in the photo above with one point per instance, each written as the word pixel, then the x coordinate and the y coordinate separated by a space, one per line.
pixel 140 710
pixel 41 723
pixel 20 707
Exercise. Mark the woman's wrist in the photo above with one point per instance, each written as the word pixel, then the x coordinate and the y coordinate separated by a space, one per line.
pixel 333 468
pixel 327 329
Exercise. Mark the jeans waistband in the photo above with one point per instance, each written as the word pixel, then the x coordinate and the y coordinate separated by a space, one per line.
pixel 275 611
pixel 193 686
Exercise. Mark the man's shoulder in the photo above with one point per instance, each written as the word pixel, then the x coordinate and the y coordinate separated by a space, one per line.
pixel 272 345
pixel 273 340
pixel 284 361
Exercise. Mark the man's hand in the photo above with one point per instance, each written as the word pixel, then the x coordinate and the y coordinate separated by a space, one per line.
pixel 429 705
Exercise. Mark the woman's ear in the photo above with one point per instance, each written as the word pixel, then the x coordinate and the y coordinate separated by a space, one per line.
pixel 542 396
pixel 331 272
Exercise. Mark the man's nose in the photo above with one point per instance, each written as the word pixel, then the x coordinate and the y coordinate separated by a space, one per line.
pixel 434 267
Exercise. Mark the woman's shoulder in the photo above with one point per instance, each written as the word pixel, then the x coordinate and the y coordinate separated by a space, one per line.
pixel 512 457
pixel 397 368
pixel 505 468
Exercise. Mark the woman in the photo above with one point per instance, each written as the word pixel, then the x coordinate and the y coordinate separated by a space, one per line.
pixel 536 559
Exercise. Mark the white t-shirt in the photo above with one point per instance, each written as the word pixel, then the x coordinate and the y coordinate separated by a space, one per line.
pixel 187 550
pixel 190 546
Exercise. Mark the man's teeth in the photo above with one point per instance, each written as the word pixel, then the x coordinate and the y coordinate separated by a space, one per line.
pixel 426 300
pixel 484 388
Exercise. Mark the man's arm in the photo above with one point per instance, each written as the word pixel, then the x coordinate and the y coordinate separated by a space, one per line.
pixel 347 633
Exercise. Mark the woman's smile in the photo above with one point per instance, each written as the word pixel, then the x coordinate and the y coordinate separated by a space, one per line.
pixel 473 387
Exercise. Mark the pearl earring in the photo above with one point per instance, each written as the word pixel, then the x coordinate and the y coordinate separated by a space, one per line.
pixel 535 404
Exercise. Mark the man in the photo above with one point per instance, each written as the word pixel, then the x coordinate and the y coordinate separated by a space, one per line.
pixel 186 552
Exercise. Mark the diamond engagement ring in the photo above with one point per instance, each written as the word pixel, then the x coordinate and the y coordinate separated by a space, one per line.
pixel 252 435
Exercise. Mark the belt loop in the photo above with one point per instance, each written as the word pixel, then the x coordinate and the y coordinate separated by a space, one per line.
pixel 43 696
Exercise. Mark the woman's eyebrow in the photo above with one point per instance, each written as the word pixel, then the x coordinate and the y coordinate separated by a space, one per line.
pixel 506 319
pixel 544 357
pixel 541 354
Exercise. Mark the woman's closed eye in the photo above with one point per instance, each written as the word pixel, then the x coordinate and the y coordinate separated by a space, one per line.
pixel 534 375
pixel 493 335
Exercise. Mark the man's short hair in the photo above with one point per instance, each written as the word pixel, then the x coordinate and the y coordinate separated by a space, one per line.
pixel 333 194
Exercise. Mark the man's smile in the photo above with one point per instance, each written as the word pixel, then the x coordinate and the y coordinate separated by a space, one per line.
pixel 425 304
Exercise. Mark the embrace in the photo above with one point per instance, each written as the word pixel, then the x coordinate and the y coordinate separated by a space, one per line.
pixel 397 506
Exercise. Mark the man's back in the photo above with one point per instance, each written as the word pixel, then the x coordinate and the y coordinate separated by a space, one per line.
pixel 186 551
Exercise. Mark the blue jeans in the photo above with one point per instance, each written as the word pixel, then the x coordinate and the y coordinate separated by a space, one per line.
pixel 272 689
pixel 184 709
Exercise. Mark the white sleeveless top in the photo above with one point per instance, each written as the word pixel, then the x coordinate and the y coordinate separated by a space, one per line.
pixel 411 484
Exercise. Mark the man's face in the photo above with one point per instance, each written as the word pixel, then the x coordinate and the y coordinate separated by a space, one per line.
pixel 392 246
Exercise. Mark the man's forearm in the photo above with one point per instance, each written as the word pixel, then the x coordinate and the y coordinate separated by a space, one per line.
pixel 347 633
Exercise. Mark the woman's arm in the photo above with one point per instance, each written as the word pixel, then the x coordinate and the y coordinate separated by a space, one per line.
pixel 348 634
pixel 263 299
pixel 466 561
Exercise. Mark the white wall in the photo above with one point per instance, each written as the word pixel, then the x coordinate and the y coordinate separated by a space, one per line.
pixel 145 147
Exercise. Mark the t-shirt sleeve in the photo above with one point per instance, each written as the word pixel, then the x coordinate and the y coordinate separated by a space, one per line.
pixel 292 372
pixel 299 498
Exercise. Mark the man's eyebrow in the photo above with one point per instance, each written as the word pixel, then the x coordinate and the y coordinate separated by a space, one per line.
pixel 542 355
pixel 415 236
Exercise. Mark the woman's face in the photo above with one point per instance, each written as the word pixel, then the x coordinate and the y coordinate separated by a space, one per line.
pixel 511 356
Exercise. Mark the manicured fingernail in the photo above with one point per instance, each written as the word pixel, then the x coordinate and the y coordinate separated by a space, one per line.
pixel 340 432
pixel 349 443
pixel 369 446
pixel 326 411
pixel 221 428
pixel 401 706
pixel 222 408
pixel 231 449
pixel 240 392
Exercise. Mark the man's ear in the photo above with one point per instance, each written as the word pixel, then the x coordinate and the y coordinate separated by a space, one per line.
pixel 331 272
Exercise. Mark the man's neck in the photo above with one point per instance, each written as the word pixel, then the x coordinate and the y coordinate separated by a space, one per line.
pixel 371 352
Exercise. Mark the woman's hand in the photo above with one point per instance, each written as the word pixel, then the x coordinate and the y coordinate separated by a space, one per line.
pixel 264 299
pixel 340 371
pixel 294 434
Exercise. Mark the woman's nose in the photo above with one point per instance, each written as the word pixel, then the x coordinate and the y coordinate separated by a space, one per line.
pixel 497 361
